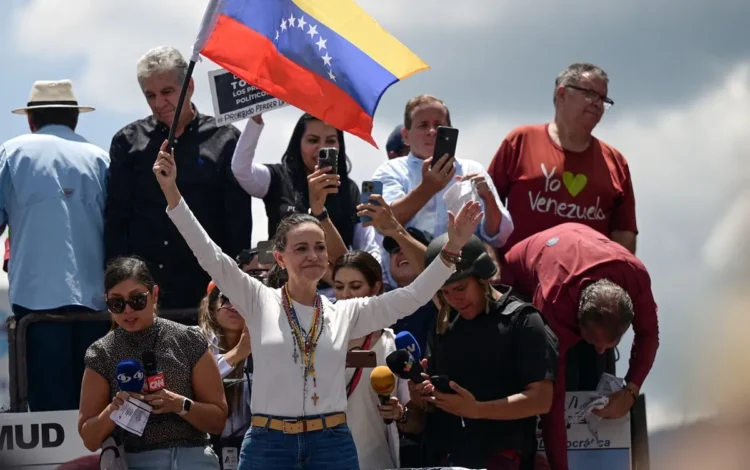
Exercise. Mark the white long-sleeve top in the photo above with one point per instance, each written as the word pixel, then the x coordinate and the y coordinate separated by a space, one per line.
pixel 278 381
pixel 377 443
pixel 255 179
pixel 240 418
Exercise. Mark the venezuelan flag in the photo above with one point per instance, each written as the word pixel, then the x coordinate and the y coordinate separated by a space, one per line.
pixel 326 57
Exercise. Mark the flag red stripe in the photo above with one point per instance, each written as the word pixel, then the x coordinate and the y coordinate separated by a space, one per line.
pixel 253 57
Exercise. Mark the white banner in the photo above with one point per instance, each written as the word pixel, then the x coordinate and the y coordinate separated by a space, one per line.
pixel 40 440
pixel 612 450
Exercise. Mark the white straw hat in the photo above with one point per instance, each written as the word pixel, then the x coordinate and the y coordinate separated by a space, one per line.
pixel 52 94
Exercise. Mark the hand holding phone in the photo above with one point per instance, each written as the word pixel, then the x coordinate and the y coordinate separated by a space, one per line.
pixel 442 384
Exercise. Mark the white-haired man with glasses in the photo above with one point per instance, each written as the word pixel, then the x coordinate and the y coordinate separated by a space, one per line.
pixel 559 172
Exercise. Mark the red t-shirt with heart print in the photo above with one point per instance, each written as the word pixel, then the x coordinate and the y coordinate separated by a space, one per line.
pixel 544 185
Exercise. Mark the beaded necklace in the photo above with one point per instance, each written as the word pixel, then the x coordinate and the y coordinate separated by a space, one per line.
pixel 304 342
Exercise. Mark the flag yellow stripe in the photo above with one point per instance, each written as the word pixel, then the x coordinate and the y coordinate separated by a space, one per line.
pixel 352 23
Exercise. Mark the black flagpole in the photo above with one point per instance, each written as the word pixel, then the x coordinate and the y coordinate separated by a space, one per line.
pixel 178 111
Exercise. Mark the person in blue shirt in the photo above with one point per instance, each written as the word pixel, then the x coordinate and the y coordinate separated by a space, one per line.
pixel 52 196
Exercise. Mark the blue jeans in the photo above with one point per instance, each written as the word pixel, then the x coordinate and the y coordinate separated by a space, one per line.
pixel 177 458
pixel 328 449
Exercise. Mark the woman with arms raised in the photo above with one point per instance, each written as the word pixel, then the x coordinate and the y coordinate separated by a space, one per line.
pixel 299 338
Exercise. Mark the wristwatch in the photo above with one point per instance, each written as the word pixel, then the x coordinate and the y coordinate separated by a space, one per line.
pixel 186 404
pixel 321 217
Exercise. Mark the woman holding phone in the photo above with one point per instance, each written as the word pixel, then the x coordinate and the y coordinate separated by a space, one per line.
pixel 299 337
pixel 301 184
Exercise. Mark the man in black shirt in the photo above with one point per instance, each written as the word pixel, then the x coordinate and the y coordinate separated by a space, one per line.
pixel 136 222
pixel 497 360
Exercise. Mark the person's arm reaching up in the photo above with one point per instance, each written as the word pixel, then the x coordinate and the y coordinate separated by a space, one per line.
pixel 254 178
pixel 374 313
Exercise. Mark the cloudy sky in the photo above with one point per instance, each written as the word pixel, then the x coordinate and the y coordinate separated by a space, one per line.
pixel 680 77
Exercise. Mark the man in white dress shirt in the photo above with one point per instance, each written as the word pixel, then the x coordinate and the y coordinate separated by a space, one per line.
pixel 415 189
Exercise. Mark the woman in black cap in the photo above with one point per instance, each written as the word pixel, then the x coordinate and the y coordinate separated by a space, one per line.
pixel 496 360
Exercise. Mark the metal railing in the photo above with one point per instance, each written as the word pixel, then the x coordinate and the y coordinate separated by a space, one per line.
pixel 18 387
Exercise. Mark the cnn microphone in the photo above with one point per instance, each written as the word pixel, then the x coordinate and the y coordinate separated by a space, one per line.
pixel 130 376
pixel 383 382
pixel 404 365
pixel 406 340
pixel 154 378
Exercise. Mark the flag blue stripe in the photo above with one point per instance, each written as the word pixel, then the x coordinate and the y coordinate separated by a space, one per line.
pixel 314 46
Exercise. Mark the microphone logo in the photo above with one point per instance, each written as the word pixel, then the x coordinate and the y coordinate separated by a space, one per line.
pixel 411 348
pixel 125 378
pixel 155 382
pixel 408 364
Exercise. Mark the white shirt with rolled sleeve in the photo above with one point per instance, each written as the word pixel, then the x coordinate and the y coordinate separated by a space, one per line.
pixel 278 382
pixel 402 175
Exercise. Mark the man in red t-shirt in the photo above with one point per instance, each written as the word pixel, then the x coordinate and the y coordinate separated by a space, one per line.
pixel 554 173
pixel 588 288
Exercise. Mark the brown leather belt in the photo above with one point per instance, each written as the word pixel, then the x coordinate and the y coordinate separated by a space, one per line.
pixel 297 426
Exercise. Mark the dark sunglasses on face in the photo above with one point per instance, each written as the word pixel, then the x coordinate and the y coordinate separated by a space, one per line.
pixel 137 302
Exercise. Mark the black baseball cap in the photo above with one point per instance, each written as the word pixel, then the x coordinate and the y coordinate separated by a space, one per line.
pixel 421 236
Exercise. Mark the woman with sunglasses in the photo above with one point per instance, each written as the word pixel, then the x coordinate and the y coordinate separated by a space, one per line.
pixel 299 337
pixel 191 405
pixel 229 341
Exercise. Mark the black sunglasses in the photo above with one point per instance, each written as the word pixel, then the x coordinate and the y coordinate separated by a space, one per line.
pixel 117 305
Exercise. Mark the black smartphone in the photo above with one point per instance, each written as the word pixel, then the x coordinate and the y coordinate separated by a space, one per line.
pixel 445 142
pixel 329 157
pixel 265 252
pixel 442 384
pixel 361 359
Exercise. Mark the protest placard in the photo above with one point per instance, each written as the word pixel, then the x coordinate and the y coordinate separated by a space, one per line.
pixel 234 99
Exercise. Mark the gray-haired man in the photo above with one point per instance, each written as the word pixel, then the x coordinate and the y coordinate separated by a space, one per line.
pixel 136 221
pixel 589 289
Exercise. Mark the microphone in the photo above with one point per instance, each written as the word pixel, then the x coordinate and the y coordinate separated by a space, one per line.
pixel 383 382
pixel 130 376
pixel 405 340
pixel 404 365
pixel 154 378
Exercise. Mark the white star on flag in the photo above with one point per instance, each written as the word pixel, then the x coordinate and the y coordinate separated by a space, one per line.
pixel 331 75
pixel 291 20
pixel 283 25
pixel 321 43
pixel 301 23
pixel 313 31
pixel 327 59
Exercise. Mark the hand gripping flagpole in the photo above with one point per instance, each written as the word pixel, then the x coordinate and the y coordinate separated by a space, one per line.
pixel 210 17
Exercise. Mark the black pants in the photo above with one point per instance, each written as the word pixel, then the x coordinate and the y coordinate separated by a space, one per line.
pixel 54 357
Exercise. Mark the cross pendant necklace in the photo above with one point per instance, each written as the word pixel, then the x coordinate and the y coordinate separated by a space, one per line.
pixel 295 355
pixel 315 399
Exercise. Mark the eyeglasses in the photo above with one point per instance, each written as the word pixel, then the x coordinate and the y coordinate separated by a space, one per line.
pixel 117 305
pixel 593 96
